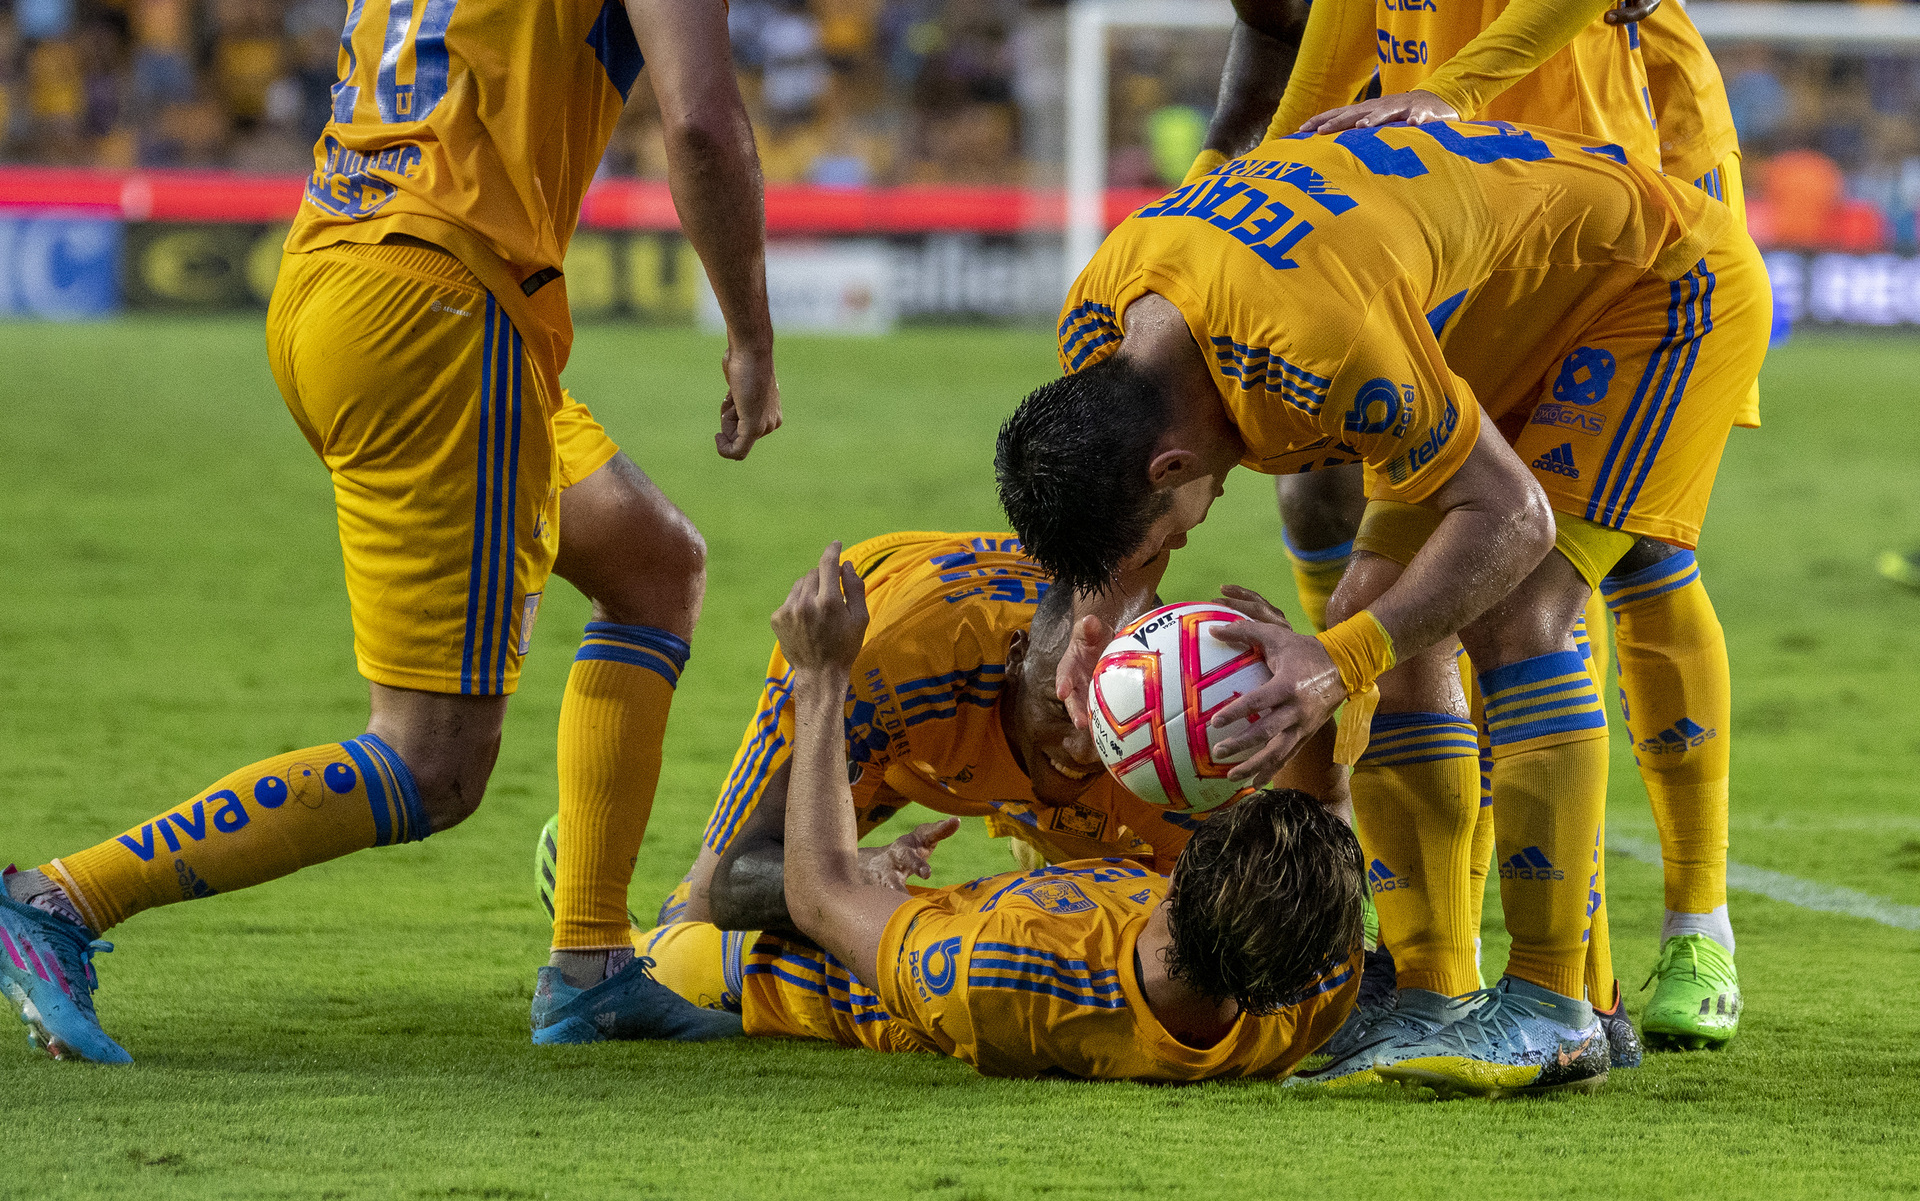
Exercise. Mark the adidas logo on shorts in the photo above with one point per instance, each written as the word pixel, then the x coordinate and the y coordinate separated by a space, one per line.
pixel 1559 460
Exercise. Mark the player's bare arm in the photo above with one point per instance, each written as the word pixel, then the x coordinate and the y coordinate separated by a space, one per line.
pixel 821 627
pixel 1498 527
pixel 748 888
pixel 1524 35
pixel 714 173
pixel 1266 37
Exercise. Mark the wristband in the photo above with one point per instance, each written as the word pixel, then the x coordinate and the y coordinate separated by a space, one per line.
pixel 1363 650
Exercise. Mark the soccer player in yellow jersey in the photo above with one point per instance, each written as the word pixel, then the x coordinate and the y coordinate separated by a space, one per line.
pixel 1239 965
pixel 1574 67
pixel 952 706
pixel 1280 313
pixel 417 334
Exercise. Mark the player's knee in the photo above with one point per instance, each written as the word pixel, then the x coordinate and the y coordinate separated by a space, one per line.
pixel 450 781
pixel 665 572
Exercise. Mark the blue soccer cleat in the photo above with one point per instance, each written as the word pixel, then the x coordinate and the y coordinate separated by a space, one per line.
pixel 1517 1039
pixel 1375 1036
pixel 1623 1042
pixel 630 1004
pixel 46 972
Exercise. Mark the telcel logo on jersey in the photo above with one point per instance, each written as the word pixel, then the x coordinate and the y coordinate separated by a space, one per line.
pixel 343 186
pixel 1427 449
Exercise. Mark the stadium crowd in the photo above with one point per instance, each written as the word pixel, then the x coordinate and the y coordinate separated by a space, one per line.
pixel 854 92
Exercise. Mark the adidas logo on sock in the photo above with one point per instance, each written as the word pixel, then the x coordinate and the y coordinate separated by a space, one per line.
pixel 1677 738
pixel 1380 878
pixel 1559 460
pixel 1530 864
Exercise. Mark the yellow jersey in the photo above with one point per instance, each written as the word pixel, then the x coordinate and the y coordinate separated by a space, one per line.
pixel 923 709
pixel 1028 974
pixel 475 125
pixel 1316 274
pixel 1689 97
pixel 1548 63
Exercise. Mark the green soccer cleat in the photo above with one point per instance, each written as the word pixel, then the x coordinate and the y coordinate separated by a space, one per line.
pixel 1697 1004
pixel 546 868
pixel 1901 569
pixel 1516 1040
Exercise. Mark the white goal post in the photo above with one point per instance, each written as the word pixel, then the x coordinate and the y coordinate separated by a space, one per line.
pixel 1857 28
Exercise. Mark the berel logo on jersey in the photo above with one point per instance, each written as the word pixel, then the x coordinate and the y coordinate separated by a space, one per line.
pixel 1559 461
pixel 1381 407
pixel 938 966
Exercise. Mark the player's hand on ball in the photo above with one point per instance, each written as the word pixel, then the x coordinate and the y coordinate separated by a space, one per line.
pixel 1415 108
pixel 1631 12
pixel 751 410
pixel 1302 695
pixel 824 618
pixel 907 856
pixel 1074 676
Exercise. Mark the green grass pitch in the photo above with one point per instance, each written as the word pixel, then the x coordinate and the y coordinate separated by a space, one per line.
pixel 172 608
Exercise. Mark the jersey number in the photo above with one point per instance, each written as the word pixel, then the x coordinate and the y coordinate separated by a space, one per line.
pixel 399 102
pixel 1402 162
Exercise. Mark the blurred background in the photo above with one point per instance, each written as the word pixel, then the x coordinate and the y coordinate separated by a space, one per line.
pixel 915 152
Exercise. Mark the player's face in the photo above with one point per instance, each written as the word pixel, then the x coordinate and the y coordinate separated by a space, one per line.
pixel 1060 760
pixel 1187 507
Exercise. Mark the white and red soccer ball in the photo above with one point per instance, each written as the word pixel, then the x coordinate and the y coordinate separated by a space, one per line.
pixel 1155 688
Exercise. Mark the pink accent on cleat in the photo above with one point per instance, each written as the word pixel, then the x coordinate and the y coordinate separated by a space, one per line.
pixel 13 952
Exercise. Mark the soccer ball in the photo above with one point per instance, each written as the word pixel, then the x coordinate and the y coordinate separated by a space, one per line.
pixel 1154 689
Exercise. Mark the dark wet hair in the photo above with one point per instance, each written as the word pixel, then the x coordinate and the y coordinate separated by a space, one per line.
pixel 1072 468
pixel 1266 901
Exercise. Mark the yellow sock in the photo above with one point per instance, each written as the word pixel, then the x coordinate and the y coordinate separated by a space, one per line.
pixel 1316 573
pixel 1675 685
pixel 613 720
pixel 1549 736
pixel 260 823
pixel 701 962
pixel 1590 638
pixel 1415 796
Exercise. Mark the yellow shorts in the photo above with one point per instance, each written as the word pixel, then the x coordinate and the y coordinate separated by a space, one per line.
pixel 448 447
pixel 1627 431
pixel 1723 183
pixel 1395 530
pixel 781 988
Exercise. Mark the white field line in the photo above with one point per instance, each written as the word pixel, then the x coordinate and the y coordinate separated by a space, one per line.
pixel 1777 886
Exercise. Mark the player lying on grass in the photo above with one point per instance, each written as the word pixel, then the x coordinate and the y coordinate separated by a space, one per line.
pixel 1238 965
pixel 1571 67
pixel 952 707
pixel 1280 313
pixel 417 334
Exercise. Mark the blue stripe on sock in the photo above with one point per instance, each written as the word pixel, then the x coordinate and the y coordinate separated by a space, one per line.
pixel 1331 554
pixel 1530 671
pixel 648 637
pixel 418 826
pixel 1675 571
pixel 1517 721
pixel 376 791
